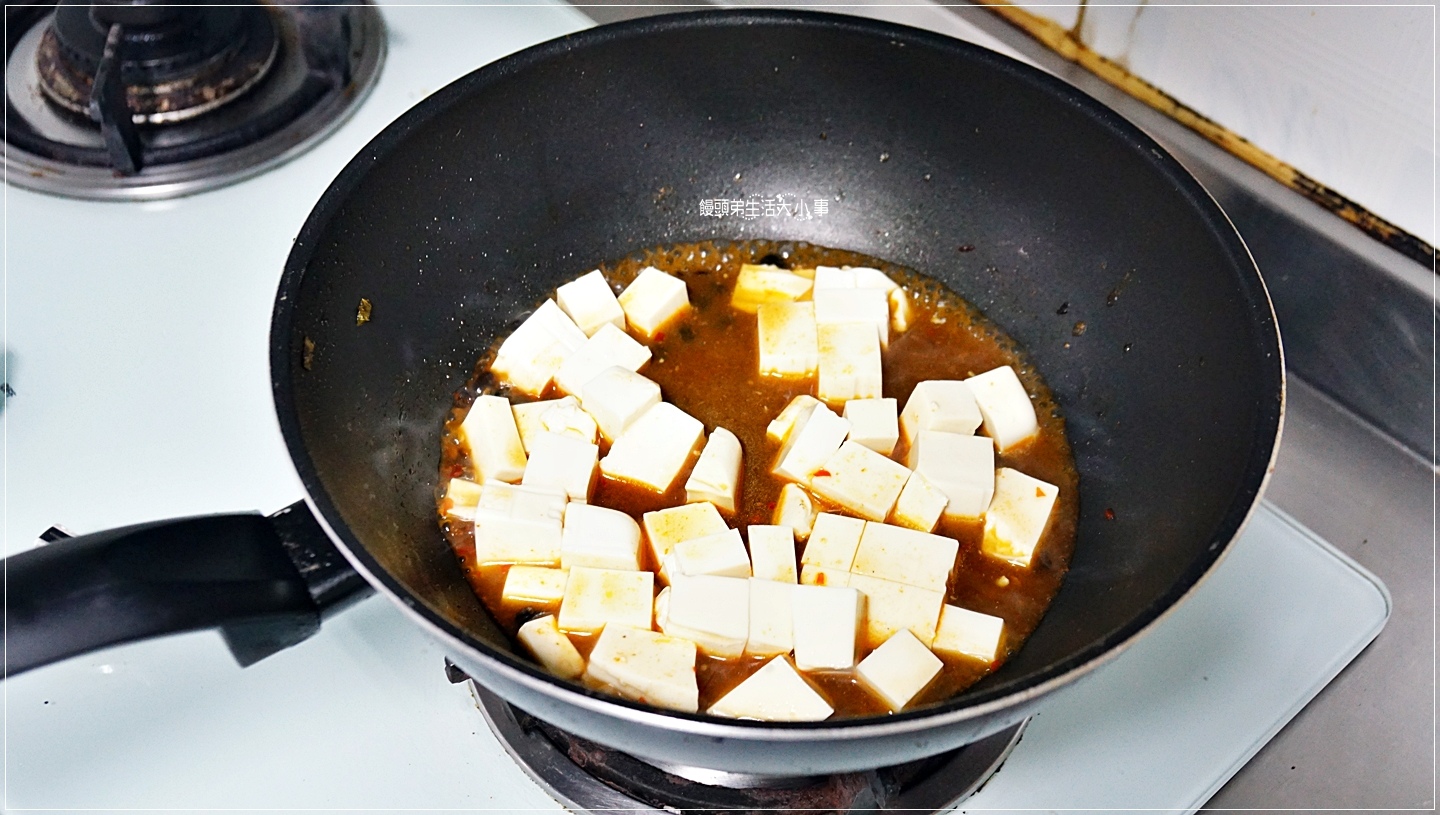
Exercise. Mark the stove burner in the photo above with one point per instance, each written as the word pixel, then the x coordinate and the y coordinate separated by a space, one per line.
pixel 118 99
pixel 585 776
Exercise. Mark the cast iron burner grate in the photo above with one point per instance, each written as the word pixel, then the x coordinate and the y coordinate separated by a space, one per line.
pixel 122 100
pixel 586 777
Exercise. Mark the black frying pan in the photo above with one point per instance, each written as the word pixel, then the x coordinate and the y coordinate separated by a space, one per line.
pixel 476 204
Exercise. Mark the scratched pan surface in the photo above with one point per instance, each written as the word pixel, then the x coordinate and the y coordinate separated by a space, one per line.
pixel 474 206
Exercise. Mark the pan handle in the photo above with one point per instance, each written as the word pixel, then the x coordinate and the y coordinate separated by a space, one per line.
pixel 265 582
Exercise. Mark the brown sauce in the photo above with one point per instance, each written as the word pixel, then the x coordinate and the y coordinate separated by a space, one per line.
pixel 706 365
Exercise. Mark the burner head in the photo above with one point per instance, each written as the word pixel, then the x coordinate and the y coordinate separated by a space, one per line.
pixel 176 62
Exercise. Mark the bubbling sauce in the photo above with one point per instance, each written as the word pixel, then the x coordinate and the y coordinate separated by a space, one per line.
pixel 705 364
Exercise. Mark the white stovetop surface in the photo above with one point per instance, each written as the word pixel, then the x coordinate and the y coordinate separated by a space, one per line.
pixel 136 347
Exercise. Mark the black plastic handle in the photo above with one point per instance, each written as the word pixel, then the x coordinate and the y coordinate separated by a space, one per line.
pixel 265 582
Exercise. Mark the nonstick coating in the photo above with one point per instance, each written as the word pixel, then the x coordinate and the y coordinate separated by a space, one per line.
pixel 1091 246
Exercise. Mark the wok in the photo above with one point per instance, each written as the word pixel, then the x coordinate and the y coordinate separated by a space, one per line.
pixel 1070 228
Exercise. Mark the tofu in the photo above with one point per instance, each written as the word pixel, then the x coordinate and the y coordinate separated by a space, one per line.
pixel 652 301
pixel 837 306
pixel 968 633
pixel 771 618
pixel 906 556
pixel 645 666
pixel 850 277
pixel 788 339
pixel 666 527
pixel 797 410
pixel 810 444
pixel 795 509
pixel 898 670
pixel 860 480
pixel 595 598
pixel 920 505
pixel 1005 407
pixel 562 462
pixel 711 611
pixel 541 585
pixel 517 524
pixel 812 575
pixel 529 357
pixel 849 362
pixel 656 447
pixel 589 301
pixel 562 415
pixel 1017 517
pixel 610 346
pixel 827 623
pixel 551 648
pixel 492 441
pixel 939 404
pixel 772 552
pixel 461 498
pixel 721 554
pixel 892 607
pixel 833 542
pixel 874 423
pixel 757 285
pixel 616 397
pixel 962 467
pixel 901 313
pixel 716 476
pixel 600 538
pixel 775 693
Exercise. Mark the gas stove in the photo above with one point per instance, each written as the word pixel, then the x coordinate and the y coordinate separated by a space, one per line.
pixel 137 388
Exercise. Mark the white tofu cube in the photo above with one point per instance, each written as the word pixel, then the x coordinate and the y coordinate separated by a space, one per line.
pixel 795 509
pixel 591 303
pixel 771 618
pixel 810 444
pixel 756 285
pixel 655 448
pixel 898 670
pixel 515 524
pixel 827 623
pixel 609 347
pixel 901 313
pixel 833 542
pixel 788 342
pixel 1008 413
pixel 529 357
pixel 962 467
pixel 562 415
pixel 492 441
pixel 775 693
pixel 849 362
pixel 968 633
pixel 839 306
pixel 534 584
pixel 1017 517
pixel 600 538
pixel 906 556
pixel 562 462
pixel 891 607
pixel 797 410
pixel 716 477
pixel 666 527
pixel 874 423
pixel 645 666
pixel 920 505
pixel 772 552
pixel 711 611
pixel 860 480
pixel 616 398
pixel 939 404
pixel 812 575
pixel 551 648
pixel 652 301
pixel 595 598
pixel 721 554
pixel 461 498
